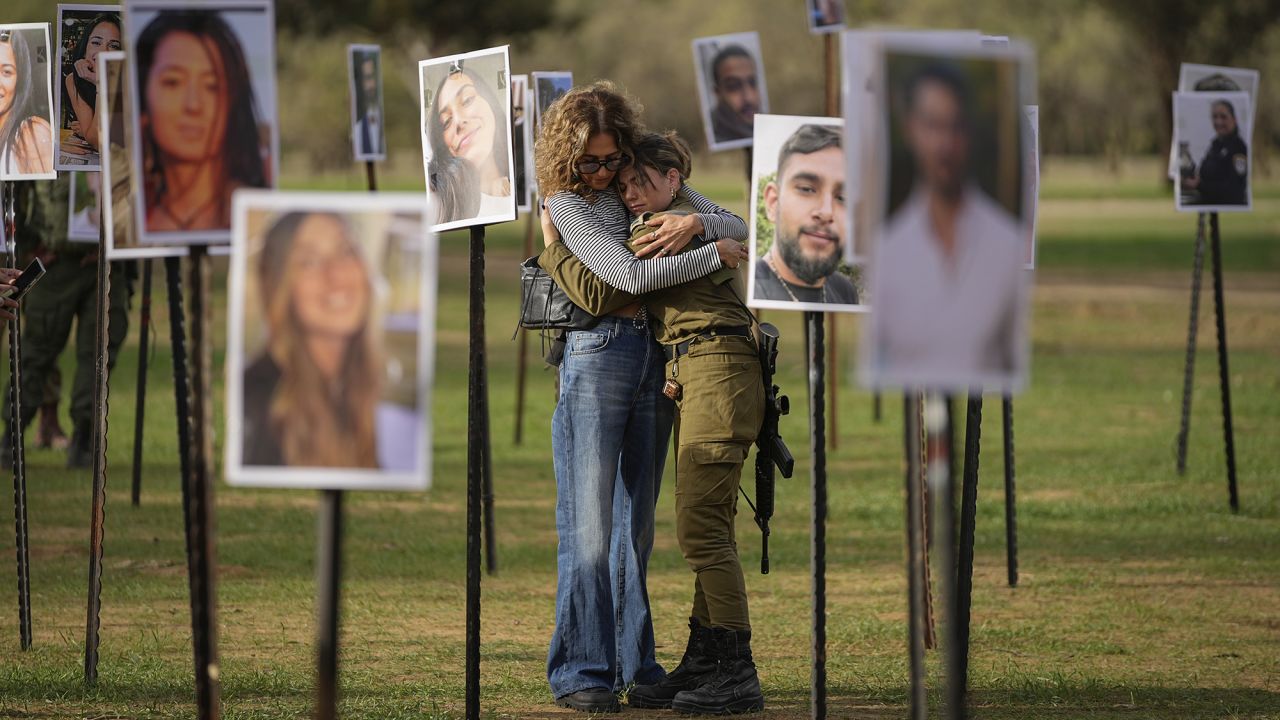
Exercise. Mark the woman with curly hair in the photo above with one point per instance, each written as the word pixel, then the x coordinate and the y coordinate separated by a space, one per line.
pixel 612 423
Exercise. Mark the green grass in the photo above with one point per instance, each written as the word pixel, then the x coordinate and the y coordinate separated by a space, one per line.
pixel 1141 595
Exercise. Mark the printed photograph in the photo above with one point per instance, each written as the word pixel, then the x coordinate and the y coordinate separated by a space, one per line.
pixel 1213 78
pixel 798 220
pixel 731 88
pixel 84 32
pixel 1031 176
pixel 84 203
pixel 1212 133
pixel 204 113
pixel 825 15
pixel 948 276
pixel 547 88
pixel 119 232
pixel 522 134
pixel 330 341
pixel 467 139
pixel 368 134
pixel 26 103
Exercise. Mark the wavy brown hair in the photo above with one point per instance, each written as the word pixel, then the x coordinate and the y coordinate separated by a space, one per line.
pixel 570 122
pixel 662 152
pixel 315 422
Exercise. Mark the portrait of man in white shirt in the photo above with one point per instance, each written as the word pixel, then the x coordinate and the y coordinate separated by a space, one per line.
pixel 950 292
pixel 367 131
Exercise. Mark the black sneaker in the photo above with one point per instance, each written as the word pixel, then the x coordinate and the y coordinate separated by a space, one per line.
pixel 695 667
pixel 591 700
pixel 733 688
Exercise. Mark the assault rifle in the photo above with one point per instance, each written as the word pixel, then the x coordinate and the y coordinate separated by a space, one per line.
pixel 771 451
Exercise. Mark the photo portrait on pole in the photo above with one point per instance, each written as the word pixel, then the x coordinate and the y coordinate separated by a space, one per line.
pixel 26 103
pixel 522 135
pixel 466 138
pixel 825 16
pixel 330 341
pixel 1031 176
pixel 798 222
pixel 84 32
pixel 204 113
pixel 729 70
pixel 547 88
pixel 368 131
pixel 114 109
pixel 84 203
pixel 948 281
pixel 1213 78
pixel 1214 137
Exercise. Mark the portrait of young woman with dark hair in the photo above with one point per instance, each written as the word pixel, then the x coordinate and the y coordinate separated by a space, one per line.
pixel 612 424
pixel 199 121
pixel 79 86
pixel 26 135
pixel 469 172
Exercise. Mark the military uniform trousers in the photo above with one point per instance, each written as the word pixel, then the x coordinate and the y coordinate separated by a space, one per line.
pixel 68 293
pixel 719 414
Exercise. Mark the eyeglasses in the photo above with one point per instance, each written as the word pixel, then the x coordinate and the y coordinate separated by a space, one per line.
pixel 589 167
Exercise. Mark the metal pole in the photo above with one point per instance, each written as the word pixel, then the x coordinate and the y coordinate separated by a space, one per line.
pixel 199 564
pixel 1197 270
pixel 475 469
pixel 140 408
pixel 968 522
pixel 941 490
pixel 918 700
pixel 328 588
pixel 818 513
pixel 490 544
pixel 1224 375
pixel 875 407
pixel 522 343
pixel 1010 497
pixel 16 449
pixel 97 515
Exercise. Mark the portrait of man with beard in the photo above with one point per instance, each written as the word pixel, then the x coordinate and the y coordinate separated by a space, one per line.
pixel 729 70
pixel 805 205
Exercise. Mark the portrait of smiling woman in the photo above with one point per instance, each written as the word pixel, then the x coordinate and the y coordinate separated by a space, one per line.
pixel 26 127
pixel 327 354
pixel 466 128
pixel 204 131
pixel 89 31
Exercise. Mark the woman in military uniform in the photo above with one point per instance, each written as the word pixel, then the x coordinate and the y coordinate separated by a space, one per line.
pixel 1223 178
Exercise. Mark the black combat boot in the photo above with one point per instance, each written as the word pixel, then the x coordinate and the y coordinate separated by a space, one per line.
pixel 695 667
pixel 733 688
pixel 80 451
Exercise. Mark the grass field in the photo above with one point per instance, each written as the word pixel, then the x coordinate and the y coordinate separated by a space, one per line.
pixel 1141 595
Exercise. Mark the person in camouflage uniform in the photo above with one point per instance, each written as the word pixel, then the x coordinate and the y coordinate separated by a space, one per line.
pixel 67 294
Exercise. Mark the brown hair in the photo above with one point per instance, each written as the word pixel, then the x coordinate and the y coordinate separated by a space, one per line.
pixel 570 122
pixel 662 152
pixel 317 424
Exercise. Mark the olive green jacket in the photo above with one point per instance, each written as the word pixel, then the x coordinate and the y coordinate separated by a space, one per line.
pixel 679 312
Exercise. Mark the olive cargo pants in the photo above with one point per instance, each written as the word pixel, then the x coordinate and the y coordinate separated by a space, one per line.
pixel 719 415
pixel 68 293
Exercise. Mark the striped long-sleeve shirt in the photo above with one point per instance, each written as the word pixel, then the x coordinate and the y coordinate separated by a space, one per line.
pixel 597 233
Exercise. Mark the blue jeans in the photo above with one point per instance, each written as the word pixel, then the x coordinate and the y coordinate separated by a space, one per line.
pixel 609 438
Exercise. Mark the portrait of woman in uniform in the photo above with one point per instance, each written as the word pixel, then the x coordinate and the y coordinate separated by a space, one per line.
pixel 466 138
pixel 1211 132
pixel 204 114
pixel 329 344
pixel 26 103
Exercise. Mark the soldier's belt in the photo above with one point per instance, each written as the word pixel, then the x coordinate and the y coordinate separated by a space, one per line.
pixel 682 348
